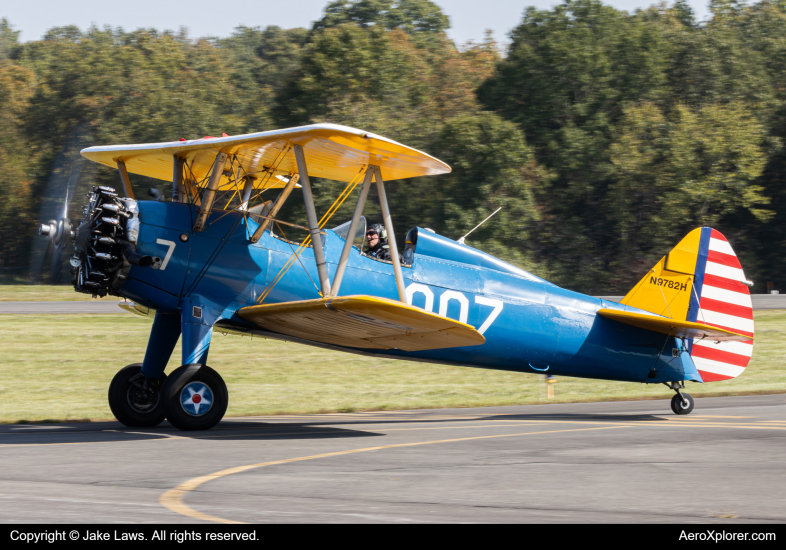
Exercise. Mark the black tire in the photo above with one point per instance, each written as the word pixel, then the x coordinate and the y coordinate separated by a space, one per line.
pixel 135 401
pixel 679 407
pixel 183 410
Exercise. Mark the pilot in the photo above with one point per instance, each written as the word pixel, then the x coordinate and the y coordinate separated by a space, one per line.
pixel 377 246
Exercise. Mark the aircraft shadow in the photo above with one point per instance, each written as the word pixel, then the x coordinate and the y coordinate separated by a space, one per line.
pixel 229 430
pixel 574 417
pixel 108 432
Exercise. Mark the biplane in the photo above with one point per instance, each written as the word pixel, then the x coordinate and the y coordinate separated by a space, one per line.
pixel 198 268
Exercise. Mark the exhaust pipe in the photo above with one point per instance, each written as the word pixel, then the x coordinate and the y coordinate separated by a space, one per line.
pixel 135 258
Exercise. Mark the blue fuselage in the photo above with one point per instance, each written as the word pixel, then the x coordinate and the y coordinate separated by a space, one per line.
pixel 530 325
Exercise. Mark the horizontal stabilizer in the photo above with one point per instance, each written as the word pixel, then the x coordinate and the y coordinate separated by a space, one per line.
pixel 674 327
pixel 363 322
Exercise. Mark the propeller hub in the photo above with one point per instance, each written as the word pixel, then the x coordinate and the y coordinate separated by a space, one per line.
pixel 48 229
pixel 59 232
pixel 63 235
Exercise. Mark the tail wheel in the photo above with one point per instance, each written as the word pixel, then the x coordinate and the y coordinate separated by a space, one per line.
pixel 195 397
pixel 682 403
pixel 135 400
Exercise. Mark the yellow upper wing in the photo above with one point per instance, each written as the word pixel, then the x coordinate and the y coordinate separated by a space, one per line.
pixel 363 322
pixel 674 327
pixel 332 151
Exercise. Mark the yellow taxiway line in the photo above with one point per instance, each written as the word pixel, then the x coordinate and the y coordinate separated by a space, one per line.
pixel 173 499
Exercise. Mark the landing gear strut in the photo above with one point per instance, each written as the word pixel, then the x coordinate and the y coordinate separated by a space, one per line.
pixel 682 403
pixel 192 397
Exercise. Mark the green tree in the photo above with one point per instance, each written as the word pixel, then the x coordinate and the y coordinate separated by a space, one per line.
pixel 388 83
pixel 647 121
pixel 134 87
pixel 672 174
pixel 411 16
pixel 492 167
pixel 264 58
pixel 605 135
pixel 575 67
pixel 17 160
pixel 568 76
pixel 9 40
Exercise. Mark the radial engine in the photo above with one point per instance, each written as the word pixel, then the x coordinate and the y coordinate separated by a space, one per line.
pixel 104 242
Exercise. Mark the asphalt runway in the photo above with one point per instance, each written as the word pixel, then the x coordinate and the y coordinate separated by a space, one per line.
pixel 596 462
pixel 760 301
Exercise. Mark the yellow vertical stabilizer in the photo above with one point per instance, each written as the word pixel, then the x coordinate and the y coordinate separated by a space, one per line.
pixel 666 289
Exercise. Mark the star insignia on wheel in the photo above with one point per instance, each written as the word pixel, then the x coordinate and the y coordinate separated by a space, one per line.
pixel 197 398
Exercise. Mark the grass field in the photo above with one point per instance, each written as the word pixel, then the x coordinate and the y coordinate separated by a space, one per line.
pixel 58 368
pixel 43 293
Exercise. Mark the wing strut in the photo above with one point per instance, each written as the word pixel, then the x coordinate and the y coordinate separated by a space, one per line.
pixel 353 227
pixel 210 192
pixel 121 168
pixel 178 187
pixel 282 198
pixel 372 172
pixel 383 202
pixel 248 188
pixel 313 224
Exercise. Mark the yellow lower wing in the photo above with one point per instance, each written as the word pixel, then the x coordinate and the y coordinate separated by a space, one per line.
pixel 674 327
pixel 363 322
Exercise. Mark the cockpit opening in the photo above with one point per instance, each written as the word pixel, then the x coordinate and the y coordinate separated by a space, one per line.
pixel 372 242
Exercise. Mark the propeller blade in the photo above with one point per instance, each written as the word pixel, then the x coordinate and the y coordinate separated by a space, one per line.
pixel 47 255
pixel 65 206
pixel 76 171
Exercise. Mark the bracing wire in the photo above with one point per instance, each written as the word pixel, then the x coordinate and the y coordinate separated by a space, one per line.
pixel 270 172
pixel 194 185
pixel 322 222
pixel 293 253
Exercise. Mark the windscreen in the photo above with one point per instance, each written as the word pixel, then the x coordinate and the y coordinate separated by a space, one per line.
pixel 343 229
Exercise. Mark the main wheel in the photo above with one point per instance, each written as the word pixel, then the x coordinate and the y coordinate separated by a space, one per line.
pixel 135 400
pixel 195 397
pixel 682 407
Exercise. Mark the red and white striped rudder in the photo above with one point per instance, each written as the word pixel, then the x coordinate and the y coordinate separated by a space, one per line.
pixel 724 301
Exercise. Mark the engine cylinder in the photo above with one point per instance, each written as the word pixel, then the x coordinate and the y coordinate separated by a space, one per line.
pixel 105 247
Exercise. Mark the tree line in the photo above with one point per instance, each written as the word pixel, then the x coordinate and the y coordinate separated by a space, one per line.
pixel 605 136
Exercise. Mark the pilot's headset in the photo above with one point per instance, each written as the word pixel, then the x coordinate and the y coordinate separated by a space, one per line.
pixel 381 231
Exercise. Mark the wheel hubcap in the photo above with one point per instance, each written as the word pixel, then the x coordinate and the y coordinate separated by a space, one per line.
pixel 143 396
pixel 196 398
